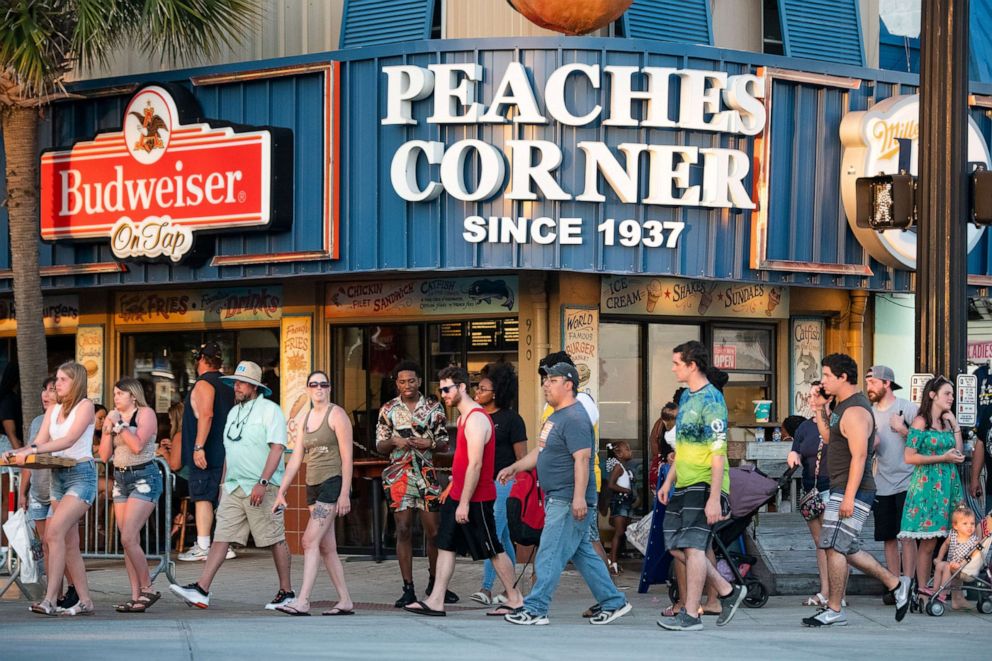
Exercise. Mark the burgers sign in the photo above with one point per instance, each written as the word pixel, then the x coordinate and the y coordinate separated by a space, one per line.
pixel 164 176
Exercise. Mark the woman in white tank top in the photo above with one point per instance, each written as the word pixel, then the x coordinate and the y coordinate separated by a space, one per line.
pixel 67 432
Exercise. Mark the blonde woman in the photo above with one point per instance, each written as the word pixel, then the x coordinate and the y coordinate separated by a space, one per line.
pixel 323 441
pixel 67 432
pixel 129 438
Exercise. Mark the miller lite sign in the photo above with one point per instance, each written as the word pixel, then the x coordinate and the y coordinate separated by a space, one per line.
pixel 164 176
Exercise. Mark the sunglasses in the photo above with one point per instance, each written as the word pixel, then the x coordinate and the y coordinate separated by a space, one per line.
pixel 318 384
pixel 444 390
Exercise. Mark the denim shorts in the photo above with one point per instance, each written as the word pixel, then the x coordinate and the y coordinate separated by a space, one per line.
pixel 144 483
pixel 79 481
pixel 37 510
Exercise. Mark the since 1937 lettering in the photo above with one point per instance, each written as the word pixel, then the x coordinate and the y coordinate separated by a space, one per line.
pixel 568 231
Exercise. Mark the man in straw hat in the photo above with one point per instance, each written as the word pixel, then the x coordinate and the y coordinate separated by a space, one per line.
pixel 254 441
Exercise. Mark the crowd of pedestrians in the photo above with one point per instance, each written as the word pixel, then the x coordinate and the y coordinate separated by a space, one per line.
pixel 861 452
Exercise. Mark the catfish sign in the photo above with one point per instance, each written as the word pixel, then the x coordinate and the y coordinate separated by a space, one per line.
pixel 164 176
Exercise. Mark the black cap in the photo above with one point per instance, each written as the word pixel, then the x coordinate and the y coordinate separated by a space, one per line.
pixel 208 349
pixel 562 369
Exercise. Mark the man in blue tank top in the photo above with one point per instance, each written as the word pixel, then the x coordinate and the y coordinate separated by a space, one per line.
pixel 206 409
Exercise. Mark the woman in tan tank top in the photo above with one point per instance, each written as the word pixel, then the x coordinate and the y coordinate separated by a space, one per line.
pixel 323 441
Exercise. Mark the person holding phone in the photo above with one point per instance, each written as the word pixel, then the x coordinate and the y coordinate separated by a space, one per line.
pixel 934 448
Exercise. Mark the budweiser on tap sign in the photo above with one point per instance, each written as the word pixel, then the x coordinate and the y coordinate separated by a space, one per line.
pixel 165 175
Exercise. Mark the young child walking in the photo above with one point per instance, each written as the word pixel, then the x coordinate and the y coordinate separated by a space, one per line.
pixel 954 553
pixel 621 499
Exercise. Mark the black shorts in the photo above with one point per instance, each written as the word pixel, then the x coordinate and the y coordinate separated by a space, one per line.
pixel 477 538
pixel 888 516
pixel 204 485
pixel 685 524
pixel 326 492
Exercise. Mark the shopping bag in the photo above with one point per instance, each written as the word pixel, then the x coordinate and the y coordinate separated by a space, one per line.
pixel 638 533
pixel 20 536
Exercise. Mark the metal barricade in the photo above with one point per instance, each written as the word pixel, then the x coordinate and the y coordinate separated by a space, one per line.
pixel 13 480
pixel 98 534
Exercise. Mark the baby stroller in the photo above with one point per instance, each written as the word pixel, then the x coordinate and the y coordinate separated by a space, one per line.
pixel 750 490
pixel 976 574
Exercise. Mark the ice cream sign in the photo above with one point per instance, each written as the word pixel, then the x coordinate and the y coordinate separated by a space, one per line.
pixel 692 298
pixel 652 168
pixel 164 177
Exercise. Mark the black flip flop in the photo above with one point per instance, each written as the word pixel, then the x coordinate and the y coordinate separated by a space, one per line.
pixel 424 610
pixel 504 609
pixel 332 612
pixel 291 610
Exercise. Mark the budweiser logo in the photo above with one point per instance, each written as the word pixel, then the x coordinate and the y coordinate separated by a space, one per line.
pixel 152 184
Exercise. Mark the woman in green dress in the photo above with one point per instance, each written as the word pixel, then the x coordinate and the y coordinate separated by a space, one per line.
pixel 934 447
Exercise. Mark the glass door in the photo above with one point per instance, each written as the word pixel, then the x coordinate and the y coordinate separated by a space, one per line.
pixel 620 394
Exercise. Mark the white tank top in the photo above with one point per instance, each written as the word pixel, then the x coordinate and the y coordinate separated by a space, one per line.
pixel 82 449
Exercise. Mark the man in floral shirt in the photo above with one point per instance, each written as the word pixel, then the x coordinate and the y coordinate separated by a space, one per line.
pixel 410 429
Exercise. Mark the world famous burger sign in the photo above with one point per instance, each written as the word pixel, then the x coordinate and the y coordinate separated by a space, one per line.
pixel 164 176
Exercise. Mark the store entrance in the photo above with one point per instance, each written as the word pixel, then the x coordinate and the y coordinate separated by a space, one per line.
pixel 61 349
pixel 163 362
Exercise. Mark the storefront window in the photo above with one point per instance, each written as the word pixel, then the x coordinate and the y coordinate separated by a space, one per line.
pixel 620 394
pixel 60 349
pixel 662 384
pixel 163 362
pixel 746 354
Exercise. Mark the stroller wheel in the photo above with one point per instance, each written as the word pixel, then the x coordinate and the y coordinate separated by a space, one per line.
pixel 985 606
pixel 935 608
pixel 757 594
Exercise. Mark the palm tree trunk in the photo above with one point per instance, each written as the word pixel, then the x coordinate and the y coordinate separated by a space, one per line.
pixel 20 133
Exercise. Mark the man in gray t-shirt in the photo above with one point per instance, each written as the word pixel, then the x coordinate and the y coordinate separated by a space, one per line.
pixel 893 416
pixel 566 432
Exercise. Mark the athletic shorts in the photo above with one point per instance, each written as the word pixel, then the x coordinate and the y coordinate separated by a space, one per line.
pixel 686 526
pixel 888 516
pixel 477 538
pixel 844 535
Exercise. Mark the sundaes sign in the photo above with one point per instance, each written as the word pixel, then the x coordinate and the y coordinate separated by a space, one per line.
pixel 165 175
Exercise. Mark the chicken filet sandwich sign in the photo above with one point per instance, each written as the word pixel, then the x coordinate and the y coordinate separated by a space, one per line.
pixel 164 176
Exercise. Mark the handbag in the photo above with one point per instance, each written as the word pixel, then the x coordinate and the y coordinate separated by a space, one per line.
pixel 812 506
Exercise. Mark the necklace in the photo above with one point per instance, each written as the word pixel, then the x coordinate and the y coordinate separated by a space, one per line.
pixel 239 421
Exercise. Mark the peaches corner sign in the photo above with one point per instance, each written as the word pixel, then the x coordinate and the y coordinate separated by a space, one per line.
pixel 871 147
pixel 166 175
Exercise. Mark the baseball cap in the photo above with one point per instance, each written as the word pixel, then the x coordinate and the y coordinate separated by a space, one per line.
pixel 562 369
pixel 884 373
pixel 208 349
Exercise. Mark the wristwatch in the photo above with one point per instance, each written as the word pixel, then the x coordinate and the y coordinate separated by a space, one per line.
pixel 197 448
pixel 263 481
pixel 119 427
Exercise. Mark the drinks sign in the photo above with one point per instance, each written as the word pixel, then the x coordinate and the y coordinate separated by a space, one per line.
pixel 229 305
pixel 692 298
pixel 165 175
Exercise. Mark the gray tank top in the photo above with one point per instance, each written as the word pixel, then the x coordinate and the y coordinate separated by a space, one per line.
pixel 123 457
pixel 839 456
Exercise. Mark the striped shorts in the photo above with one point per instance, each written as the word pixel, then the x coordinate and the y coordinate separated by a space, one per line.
pixel 685 517
pixel 844 535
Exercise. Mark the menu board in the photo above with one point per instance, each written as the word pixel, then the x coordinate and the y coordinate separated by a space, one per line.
pixel 674 297
pixel 416 298
pixel 233 304
pixel 580 338
pixel 89 354
pixel 58 312
pixel 807 352
pixel 295 365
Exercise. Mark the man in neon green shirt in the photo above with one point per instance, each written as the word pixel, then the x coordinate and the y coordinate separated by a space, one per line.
pixel 702 484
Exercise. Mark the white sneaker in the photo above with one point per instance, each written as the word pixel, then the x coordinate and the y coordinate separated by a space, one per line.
pixel 826 618
pixel 231 555
pixel 191 594
pixel 196 553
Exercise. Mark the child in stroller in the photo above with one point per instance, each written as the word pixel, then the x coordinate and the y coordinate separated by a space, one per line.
pixel 964 558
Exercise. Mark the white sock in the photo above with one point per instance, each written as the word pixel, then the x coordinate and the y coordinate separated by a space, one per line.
pixel 203 542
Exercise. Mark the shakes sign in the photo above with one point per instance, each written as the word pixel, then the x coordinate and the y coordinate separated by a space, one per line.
pixel 164 176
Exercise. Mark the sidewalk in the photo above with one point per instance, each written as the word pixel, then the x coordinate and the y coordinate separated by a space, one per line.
pixel 236 626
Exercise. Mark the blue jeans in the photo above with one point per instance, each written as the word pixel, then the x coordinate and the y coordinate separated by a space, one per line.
pixel 564 539
pixel 502 533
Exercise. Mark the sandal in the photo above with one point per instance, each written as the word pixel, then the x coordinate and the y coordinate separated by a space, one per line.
pixel 78 609
pixel 149 597
pixel 817 600
pixel 133 606
pixel 671 611
pixel 482 598
pixel 44 607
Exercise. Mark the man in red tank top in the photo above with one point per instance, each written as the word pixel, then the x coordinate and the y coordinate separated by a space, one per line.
pixel 467 525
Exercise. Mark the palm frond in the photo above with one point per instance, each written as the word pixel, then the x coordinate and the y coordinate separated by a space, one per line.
pixel 186 29
pixel 35 46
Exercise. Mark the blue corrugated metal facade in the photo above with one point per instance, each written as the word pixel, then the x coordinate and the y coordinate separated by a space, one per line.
pixel 823 30
pixel 688 21
pixel 381 232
